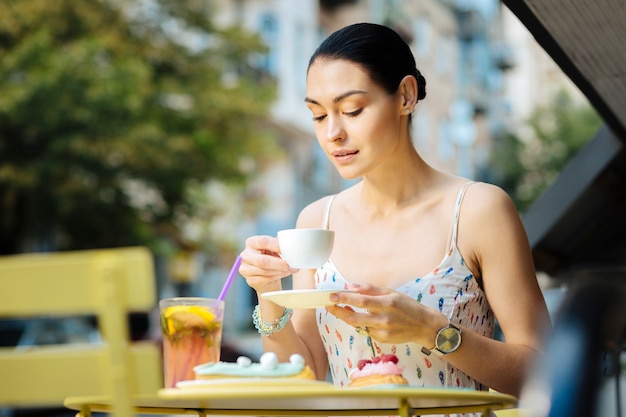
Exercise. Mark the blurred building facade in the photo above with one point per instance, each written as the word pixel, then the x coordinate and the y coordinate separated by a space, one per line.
pixel 533 78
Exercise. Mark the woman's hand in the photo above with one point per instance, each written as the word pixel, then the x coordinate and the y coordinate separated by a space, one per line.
pixel 261 264
pixel 389 316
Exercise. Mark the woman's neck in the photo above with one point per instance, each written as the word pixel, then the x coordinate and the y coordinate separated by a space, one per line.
pixel 391 188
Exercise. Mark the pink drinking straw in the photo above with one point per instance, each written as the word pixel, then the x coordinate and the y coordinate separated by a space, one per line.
pixel 231 277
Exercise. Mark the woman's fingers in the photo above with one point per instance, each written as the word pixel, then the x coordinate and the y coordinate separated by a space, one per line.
pixel 263 243
pixel 389 316
pixel 364 296
pixel 261 265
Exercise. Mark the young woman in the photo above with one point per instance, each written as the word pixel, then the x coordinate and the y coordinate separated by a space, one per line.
pixel 425 251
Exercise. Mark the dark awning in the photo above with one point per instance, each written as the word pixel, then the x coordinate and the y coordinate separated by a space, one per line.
pixel 580 221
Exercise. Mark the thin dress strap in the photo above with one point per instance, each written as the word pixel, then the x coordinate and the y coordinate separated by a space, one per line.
pixel 457 210
pixel 326 222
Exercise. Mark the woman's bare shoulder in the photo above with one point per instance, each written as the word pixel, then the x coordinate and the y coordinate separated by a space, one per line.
pixel 482 197
pixel 312 216
pixel 489 215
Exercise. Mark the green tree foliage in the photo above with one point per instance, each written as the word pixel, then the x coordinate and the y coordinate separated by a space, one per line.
pixel 555 133
pixel 110 111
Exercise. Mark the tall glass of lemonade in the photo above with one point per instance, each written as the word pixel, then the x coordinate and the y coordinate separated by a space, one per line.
pixel 192 335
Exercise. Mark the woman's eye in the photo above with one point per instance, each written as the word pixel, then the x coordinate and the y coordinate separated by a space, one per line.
pixel 319 118
pixel 353 113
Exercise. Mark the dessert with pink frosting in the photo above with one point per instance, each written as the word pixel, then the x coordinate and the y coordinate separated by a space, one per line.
pixel 380 370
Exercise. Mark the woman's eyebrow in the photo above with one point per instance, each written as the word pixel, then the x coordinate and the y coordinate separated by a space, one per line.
pixel 338 98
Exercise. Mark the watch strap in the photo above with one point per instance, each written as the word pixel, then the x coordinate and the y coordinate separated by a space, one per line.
pixel 434 351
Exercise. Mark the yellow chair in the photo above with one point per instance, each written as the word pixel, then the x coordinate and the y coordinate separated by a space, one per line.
pixel 107 284
pixel 513 412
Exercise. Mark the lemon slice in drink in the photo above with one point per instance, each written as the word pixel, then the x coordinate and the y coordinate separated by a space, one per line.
pixel 181 317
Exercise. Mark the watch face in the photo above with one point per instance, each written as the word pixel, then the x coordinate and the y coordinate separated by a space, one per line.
pixel 448 339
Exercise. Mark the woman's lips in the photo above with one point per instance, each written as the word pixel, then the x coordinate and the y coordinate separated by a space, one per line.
pixel 344 155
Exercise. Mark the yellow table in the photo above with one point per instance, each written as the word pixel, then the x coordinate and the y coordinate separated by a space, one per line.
pixel 305 399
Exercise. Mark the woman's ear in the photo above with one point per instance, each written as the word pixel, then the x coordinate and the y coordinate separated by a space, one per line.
pixel 408 93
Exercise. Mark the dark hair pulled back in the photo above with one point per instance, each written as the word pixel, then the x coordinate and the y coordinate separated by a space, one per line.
pixel 378 49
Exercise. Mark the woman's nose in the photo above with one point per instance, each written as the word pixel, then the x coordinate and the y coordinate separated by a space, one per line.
pixel 335 130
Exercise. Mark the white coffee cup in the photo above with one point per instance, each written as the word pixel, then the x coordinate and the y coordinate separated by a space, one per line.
pixel 306 248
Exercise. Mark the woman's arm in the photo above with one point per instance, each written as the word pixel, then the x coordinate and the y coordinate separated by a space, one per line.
pixel 263 270
pixel 493 241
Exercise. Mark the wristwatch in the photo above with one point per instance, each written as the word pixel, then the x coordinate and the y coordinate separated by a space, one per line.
pixel 448 340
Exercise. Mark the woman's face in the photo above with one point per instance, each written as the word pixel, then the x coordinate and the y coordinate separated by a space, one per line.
pixel 357 123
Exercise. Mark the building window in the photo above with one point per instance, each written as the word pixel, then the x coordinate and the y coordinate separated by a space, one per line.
pixel 422 35
pixel 445 59
pixel 446 145
pixel 269 33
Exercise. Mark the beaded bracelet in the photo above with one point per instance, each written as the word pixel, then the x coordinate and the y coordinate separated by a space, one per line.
pixel 266 328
